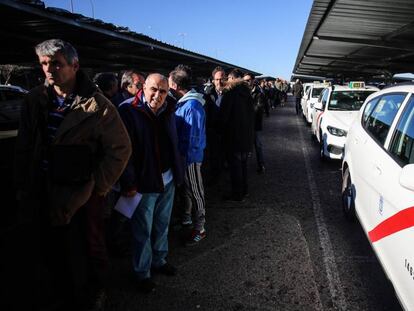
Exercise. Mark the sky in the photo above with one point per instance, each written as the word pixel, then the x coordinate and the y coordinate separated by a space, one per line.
pixel 262 35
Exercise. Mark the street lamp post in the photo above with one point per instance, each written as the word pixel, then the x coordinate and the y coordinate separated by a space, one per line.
pixel 182 35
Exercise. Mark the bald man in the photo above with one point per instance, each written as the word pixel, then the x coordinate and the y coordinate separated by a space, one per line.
pixel 154 169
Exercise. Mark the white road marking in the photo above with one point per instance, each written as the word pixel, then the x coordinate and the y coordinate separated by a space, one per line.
pixel 335 286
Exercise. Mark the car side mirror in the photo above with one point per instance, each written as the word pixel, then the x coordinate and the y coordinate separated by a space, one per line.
pixel 407 177
pixel 318 106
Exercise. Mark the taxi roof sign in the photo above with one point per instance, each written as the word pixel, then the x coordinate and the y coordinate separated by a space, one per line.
pixel 356 84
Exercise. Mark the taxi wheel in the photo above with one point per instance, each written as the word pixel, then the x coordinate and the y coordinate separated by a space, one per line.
pixel 348 199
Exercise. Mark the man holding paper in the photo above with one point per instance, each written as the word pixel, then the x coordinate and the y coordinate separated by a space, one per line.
pixel 153 170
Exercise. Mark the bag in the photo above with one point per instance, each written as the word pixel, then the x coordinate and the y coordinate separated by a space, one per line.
pixel 70 164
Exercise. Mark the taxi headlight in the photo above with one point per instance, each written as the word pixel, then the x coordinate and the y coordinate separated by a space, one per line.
pixel 336 131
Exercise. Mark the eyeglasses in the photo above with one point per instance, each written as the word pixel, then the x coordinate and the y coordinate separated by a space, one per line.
pixel 222 79
pixel 138 85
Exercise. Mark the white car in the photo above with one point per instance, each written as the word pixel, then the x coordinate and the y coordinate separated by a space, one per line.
pixel 310 98
pixel 11 101
pixel 378 182
pixel 334 114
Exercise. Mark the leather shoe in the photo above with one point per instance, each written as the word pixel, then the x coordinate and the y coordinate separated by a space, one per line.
pixel 146 285
pixel 166 269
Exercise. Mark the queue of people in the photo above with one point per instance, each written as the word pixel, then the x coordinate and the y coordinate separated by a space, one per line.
pixel 79 143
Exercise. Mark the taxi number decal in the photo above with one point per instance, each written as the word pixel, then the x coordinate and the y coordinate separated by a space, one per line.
pixel 409 268
pixel 400 221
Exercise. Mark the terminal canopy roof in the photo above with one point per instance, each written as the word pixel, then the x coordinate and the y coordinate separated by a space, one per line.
pixel 357 39
pixel 101 46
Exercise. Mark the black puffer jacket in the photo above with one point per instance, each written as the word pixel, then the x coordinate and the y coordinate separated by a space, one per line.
pixel 258 102
pixel 237 117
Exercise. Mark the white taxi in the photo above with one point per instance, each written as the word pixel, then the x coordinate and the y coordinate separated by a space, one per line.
pixel 334 113
pixel 11 101
pixel 378 182
pixel 310 98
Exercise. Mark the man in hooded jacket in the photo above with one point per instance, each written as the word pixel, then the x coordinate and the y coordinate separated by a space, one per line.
pixel 191 129
pixel 237 126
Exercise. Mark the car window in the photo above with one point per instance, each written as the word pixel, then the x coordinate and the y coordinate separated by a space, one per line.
pixel 324 97
pixel 10 105
pixel 348 100
pixel 316 92
pixel 379 121
pixel 402 145
pixel 12 95
pixel 368 110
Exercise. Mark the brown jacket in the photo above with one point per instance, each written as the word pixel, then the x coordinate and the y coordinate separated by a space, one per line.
pixel 93 122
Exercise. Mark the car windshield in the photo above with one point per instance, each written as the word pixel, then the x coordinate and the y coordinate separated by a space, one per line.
pixel 348 100
pixel 316 92
pixel 11 102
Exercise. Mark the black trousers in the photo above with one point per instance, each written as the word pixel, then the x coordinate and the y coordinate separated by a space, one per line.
pixel 238 173
pixel 215 155
pixel 298 106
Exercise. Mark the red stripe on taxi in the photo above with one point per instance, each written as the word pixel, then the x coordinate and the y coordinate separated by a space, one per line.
pixel 400 221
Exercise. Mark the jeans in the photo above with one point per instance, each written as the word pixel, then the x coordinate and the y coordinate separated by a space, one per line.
pixel 149 225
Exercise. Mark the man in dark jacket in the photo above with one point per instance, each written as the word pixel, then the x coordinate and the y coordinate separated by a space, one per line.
pixel 71 148
pixel 153 170
pixel 258 102
pixel 298 93
pixel 237 125
pixel 131 84
pixel 213 97
pixel 265 92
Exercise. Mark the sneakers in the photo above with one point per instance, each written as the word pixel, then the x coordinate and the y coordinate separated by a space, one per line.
pixel 166 269
pixel 146 285
pixel 196 237
pixel 187 223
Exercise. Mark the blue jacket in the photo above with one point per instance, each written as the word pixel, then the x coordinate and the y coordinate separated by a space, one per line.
pixel 143 172
pixel 191 127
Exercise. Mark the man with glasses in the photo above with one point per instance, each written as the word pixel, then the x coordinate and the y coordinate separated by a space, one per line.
pixel 131 84
pixel 258 102
pixel 212 107
pixel 154 169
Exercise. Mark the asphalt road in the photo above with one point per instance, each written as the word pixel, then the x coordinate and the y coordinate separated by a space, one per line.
pixel 288 247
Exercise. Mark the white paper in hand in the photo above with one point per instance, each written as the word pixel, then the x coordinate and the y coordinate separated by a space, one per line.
pixel 127 205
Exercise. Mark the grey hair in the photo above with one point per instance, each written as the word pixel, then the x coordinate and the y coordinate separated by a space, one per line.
pixel 127 80
pixel 156 74
pixel 53 46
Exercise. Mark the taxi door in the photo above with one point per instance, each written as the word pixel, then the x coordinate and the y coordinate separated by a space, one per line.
pixel 391 229
pixel 368 154
pixel 319 108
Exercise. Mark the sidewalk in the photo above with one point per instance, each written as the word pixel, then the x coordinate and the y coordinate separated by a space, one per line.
pixel 254 258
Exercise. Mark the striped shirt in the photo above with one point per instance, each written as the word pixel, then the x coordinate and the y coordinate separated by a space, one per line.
pixel 58 109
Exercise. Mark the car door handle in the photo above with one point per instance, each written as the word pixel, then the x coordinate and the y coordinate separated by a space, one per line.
pixel 377 169
pixel 359 140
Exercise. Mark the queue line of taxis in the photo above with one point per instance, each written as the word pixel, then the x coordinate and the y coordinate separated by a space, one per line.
pixel 372 132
